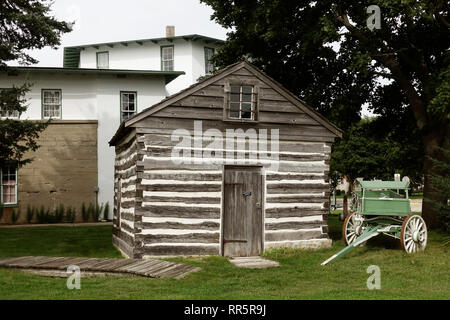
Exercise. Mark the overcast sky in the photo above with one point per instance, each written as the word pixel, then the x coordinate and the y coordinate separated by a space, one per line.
pixel 114 20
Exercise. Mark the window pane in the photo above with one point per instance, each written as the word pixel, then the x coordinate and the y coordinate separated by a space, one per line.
pixel 246 108
pixel 103 60
pixel 246 97
pixel 209 67
pixel 241 102
pixel 9 187
pixel 128 107
pixel 235 89
pixel 247 89
pixel 51 100
pixel 235 97
pixel 234 110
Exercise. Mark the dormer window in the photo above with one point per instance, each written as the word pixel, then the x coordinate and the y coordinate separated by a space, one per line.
pixel 242 102
pixel 167 58
pixel 103 60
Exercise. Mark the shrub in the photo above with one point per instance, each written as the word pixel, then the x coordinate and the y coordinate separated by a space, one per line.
pixel 91 211
pixel 97 212
pixel 15 215
pixel 70 215
pixel 42 216
pixel 30 213
pixel 59 214
pixel 84 212
pixel 106 211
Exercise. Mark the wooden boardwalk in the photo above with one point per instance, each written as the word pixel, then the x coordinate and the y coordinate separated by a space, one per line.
pixel 147 268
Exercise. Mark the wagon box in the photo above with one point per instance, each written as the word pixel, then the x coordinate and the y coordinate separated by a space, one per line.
pixel 378 198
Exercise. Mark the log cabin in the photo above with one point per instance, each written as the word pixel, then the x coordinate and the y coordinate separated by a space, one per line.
pixel 232 165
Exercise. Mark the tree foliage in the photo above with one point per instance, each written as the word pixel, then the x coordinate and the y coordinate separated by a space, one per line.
pixel 25 25
pixel 324 52
pixel 442 182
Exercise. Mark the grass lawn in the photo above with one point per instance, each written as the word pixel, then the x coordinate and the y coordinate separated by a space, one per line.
pixel 419 276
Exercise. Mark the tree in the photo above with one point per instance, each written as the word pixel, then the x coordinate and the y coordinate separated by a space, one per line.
pixel 324 52
pixel 442 183
pixel 25 25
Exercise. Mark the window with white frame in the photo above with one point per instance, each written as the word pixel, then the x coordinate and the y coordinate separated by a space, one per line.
pixel 4 112
pixel 209 66
pixel 128 104
pixel 103 60
pixel 8 185
pixel 167 58
pixel 51 103
pixel 242 102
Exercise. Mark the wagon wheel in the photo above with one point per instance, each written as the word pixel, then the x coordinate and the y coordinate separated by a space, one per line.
pixel 413 235
pixel 352 227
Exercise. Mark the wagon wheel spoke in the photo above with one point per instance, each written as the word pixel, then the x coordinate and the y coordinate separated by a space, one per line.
pixel 413 235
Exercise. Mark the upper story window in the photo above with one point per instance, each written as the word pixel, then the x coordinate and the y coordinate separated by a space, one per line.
pixel 209 66
pixel 8 185
pixel 51 103
pixel 103 60
pixel 7 114
pixel 128 104
pixel 242 102
pixel 167 58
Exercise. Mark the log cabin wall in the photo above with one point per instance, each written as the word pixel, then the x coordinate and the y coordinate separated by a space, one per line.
pixel 125 196
pixel 179 205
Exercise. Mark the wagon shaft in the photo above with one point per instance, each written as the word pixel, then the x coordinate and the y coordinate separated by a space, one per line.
pixel 368 234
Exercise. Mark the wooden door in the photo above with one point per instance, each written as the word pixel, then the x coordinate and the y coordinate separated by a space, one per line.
pixel 242 212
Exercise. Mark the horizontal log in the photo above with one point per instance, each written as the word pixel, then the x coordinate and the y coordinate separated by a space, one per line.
pixel 127 216
pixel 208 164
pixel 126 227
pixel 196 250
pixel 208 225
pixel 182 187
pixel 242 152
pixel 296 235
pixel 165 140
pixel 271 94
pixel 164 125
pixel 188 200
pixel 275 188
pixel 271 104
pixel 294 176
pixel 194 176
pixel 175 212
pixel 297 199
pixel 127 204
pixel 199 101
pixel 295 225
pixel 292 212
pixel 123 246
pixel 211 91
pixel 126 238
pixel 184 238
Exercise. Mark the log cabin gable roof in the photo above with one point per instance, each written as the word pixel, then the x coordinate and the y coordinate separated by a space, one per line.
pixel 232 74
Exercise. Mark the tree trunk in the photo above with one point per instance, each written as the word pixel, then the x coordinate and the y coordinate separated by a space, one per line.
pixel 344 207
pixel 430 213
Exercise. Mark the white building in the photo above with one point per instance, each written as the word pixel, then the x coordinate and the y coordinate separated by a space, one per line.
pixel 99 86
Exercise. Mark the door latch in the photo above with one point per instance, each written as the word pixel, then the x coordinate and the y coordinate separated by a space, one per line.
pixel 246 194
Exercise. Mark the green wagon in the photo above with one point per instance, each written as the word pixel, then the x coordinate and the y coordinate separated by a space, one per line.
pixel 382 207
